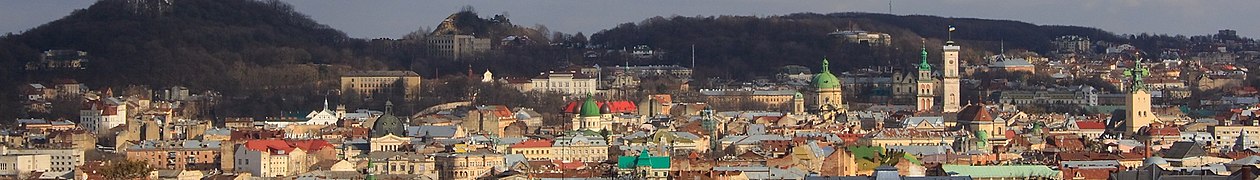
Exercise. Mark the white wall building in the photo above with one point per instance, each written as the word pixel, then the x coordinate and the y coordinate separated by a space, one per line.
pixel 567 82
pixel 101 115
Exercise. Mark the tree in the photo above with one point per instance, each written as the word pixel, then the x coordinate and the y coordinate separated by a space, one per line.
pixel 126 169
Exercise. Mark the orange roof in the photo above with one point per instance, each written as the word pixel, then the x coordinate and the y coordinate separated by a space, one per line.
pixel 568 165
pixel 533 143
pixel 311 145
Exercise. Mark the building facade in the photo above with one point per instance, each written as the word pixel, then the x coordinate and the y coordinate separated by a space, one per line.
pixel 567 82
pixel 458 46
pixel 370 83
pixel 177 155
pixel 103 114
pixel 466 166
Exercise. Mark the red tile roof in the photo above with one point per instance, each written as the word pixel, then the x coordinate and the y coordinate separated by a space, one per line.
pixel 975 113
pixel 311 145
pixel 617 107
pixel 569 165
pixel 533 143
pixel 1091 125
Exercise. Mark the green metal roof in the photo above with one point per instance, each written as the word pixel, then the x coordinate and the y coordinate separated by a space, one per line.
pixel 825 79
pixel 589 108
pixel 642 160
pixel 923 65
pixel 1019 171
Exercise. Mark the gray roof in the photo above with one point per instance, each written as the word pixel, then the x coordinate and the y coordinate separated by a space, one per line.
pixel 914 122
pixel 578 138
pixel 182 144
pixel 1249 160
pixel 432 131
pixel 1091 164
pixel 754 139
pixel 1184 149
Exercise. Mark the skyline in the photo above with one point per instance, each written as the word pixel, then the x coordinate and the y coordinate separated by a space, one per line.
pixel 395 18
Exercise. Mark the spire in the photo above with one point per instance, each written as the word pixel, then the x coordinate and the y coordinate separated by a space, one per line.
pixel 370 168
pixel 389 107
pixel 325 103
pixel 1136 74
pixel 923 65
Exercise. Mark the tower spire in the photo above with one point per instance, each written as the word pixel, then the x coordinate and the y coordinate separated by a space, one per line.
pixel 826 67
pixel 923 64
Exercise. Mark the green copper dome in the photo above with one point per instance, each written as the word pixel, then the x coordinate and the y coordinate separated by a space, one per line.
pixel 923 65
pixel 825 79
pixel 589 108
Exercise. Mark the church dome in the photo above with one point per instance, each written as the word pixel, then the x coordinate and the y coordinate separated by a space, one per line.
pixel 589 108
pixel 824 79
pixel 388 123
pixel 606 108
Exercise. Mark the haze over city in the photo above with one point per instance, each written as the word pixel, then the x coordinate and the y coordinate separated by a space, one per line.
pixel 395 18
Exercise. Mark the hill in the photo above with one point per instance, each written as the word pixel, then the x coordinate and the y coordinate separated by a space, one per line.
pixel 219 44
pixel 742 46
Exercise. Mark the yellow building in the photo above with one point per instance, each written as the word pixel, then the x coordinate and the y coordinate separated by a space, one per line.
pixel 467 165
pixel 369 83
pixel 533 149
pixel 733 99
pixel 579 147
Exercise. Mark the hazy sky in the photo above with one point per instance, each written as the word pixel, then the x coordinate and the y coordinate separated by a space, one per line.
pixel 395 18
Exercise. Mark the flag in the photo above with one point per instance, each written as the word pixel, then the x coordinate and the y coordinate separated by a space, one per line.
pixel 951 28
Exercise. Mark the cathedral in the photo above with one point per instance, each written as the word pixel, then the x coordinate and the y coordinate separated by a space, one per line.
pixel 388 132
pixel 826 94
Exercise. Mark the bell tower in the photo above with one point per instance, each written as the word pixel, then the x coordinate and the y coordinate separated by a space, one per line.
pixel 1137 104
pixel 925 85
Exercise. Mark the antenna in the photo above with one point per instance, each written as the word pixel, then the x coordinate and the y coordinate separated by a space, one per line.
pixel 890 7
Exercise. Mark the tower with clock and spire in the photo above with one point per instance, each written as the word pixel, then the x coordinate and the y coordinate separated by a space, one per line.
pixel 949 72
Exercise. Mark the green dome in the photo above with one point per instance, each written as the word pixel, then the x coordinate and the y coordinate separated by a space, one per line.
pixel 825 79
pixel 589 108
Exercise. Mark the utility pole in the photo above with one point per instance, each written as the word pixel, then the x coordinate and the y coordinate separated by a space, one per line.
pixel 693 57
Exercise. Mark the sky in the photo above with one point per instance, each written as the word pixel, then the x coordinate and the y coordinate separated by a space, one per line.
pixel 395 18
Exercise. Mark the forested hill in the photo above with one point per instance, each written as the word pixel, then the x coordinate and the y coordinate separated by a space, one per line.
pixel 219 44
pixel 743 46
